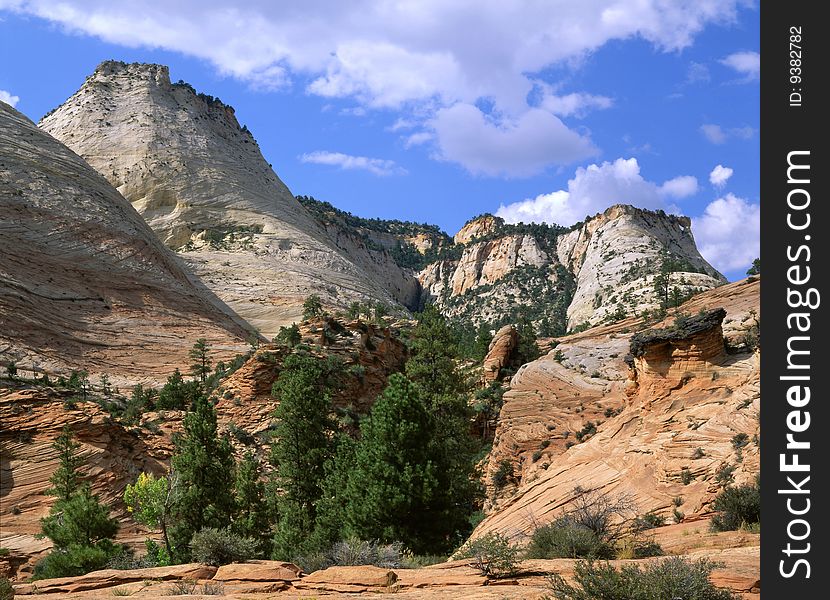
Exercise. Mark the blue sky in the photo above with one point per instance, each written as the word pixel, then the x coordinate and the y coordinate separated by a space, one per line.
pixel 439 111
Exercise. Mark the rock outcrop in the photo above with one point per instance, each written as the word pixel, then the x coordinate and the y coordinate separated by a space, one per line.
pixel 84 282
pixel 499 353
pixel 582 416
pixel 201 182
pixel 616 255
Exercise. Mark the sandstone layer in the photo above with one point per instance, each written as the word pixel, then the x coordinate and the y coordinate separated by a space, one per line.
pixel 654 431
pixel 84 282
pixel 200 181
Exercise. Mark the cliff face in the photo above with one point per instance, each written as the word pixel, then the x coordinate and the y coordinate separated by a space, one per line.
pixel 84 282
pixel 616 256
pixel 200 181
pixel 605 269
pixel 582 416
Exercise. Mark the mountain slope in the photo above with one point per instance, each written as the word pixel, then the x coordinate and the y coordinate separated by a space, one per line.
pixel 84 282
pixel 200 181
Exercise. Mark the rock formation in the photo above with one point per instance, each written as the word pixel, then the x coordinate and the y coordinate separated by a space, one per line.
pixel 201 182
pixel 616 255
pixel 499 353
pixel 604 269
pixel 84 282
pixel 582 415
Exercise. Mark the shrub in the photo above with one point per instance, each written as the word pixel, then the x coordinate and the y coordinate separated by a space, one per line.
pixel 536 455
pixel 737 507
pixel 354 552
pixel 565 539
pixel 673 578
pixel 724 475
pixel 699 453
pixel 75 560
pixel 650 520
pixel 503 474
pixel 220 547
pixel 492 555
pixel 183 587
pixel 739 440
pixel 6 589
pixel 678 515
pixel 686 476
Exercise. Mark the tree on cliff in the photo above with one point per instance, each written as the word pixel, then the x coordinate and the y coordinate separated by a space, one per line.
pixel 65 479
pixel 312 307
pixel 251 520
pixel 200 357
pixel 755 269
pixel 205 467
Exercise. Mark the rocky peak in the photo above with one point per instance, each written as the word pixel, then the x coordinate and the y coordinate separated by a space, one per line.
pixel 616 255
pixel 477 227
pixel 202 184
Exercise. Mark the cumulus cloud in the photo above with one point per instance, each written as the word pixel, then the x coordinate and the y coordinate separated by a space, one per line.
pixel 8 98
pixel 376 166
pixel 720 175
pixel 514 148
pixel 424 56
pixel 595 188
pixel 718 135
pixel 679 187
pixel 747 64
pixel 728 233
pixel 576 104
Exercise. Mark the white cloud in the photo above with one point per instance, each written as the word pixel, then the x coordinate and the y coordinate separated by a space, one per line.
pixel 416 139
pixel 679 187
pixel 595 188
pixel 424 56
pixel 720 175
pixel 697 73
pixel 510 147
pixel 718 135
pixel 8 98
pixel 376 166
pixel 575 104
pixel 728 233
pixel 747 64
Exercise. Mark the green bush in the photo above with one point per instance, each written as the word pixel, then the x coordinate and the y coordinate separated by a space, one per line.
pixel 493 555
pixel 676 578
pixel 737 507
pixel 503 474
pixel 566 539
pixel 220 547
pixel 739 440
pixel 650 520
pixel 6 589
pixel 76 560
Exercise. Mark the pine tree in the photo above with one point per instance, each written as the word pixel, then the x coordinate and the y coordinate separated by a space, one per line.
pixel 200 357
pixel 303 432
pixel 178 394
pixel 393 487
pixel 312 307
pixel 432 369
pixel 65 479
pixel 205 466
pixel 252 511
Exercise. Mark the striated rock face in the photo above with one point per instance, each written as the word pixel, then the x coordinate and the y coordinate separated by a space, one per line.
pixel 616 255
pixel 200 181
pixel 84 282
pixel 683 393
pixel 499 353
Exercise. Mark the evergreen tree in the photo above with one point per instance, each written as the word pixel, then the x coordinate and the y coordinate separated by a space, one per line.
pixel 482 343
pixel 65 480
pixel 178 394
pixel 312 307
pixel 755 269
pixel 205 466
pixel 353 312
pixel 200 357
pixel 394 486
pixel 443 390
pixel 252 511
pixel 303 432
pixel 526 348
pixel 332 505
pixel 289 336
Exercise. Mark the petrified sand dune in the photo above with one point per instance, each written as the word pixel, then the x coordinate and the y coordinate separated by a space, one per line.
pixel 678 408
pixel 84 282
